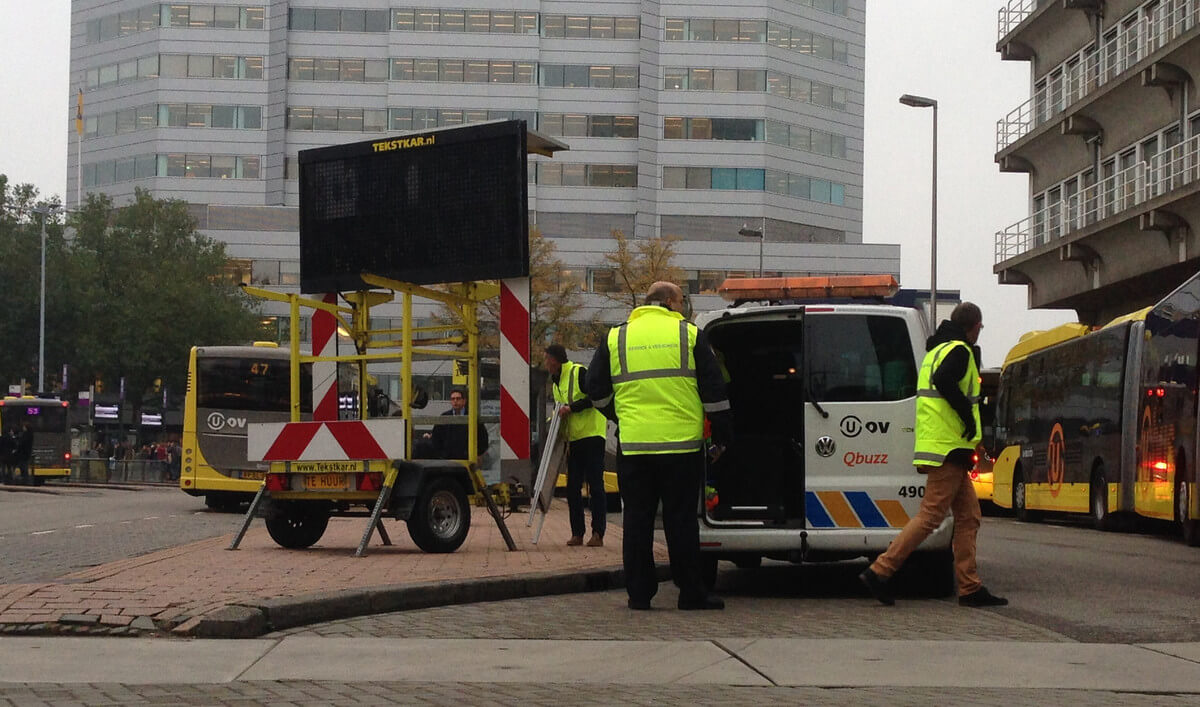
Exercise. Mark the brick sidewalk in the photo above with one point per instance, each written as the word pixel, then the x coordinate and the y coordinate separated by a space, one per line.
pixel 172 588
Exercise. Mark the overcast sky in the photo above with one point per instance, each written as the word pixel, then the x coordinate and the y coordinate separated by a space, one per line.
pixel 941 49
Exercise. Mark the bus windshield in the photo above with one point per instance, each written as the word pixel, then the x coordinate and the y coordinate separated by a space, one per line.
pixel 248 383
pixel 47 417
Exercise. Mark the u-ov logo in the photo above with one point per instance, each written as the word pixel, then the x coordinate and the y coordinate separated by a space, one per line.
pixel 217 421
pixel 852 427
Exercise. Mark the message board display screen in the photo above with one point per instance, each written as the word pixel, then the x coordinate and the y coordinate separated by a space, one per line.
pixel 439 206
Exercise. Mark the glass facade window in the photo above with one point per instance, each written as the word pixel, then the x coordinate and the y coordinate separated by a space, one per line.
pixel 754 179
pixel 567 174
pixel 175 15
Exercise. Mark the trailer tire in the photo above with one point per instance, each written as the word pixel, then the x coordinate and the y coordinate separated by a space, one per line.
pixel 297 525
pixel 441 517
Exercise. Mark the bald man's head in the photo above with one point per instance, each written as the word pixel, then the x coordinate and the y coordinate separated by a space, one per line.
pixel 667 294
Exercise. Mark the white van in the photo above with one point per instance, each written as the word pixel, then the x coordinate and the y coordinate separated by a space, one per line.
pixel 824 402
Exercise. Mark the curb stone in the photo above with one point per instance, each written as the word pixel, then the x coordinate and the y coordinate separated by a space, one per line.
pixel 253 619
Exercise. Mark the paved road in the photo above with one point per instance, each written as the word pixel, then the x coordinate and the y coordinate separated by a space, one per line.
pixel 1066 583
pixel 51 530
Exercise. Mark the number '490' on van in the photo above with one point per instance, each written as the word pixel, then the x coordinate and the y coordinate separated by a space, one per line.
pixel 824 404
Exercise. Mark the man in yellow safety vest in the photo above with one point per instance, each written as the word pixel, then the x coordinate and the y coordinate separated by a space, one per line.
pixel 948 430
pixel 586 430
pixel 663 377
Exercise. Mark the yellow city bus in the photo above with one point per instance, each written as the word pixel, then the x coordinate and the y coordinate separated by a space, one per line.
pixel 49 419
pixel 1104 422
pixel 229 388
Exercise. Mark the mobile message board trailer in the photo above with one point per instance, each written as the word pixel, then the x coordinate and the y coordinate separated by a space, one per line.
pixel 442 216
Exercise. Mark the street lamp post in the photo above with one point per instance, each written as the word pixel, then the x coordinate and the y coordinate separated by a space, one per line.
pixel 921 102
pixel 760 234
pixel 45 210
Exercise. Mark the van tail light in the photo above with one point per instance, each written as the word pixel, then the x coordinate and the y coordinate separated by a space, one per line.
pixel 67 457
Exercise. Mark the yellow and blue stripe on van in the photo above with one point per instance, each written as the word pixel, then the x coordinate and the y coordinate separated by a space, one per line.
pixel 852 509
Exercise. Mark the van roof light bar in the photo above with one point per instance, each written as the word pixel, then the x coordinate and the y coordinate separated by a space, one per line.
pixel 829 287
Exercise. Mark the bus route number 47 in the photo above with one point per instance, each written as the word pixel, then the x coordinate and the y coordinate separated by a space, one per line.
pixel 912 492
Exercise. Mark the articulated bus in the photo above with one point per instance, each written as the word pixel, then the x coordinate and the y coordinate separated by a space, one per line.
pixel 1104 422
pixel 229 388
pixel 49 420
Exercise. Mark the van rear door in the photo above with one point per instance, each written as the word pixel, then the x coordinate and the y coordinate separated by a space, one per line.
pixel 862 375
pixel 759 480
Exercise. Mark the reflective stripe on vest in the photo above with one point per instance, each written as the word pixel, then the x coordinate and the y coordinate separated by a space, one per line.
pixel 653 369
pixel 939 428
pixel 585 423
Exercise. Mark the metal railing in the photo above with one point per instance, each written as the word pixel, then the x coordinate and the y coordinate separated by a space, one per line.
pixel 1013 14
pixel 1134 185
pixel 110 471
pixel 1090 68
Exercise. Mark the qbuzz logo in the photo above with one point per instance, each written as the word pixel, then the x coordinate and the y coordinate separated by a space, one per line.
pixel 219 422
pixel 852 426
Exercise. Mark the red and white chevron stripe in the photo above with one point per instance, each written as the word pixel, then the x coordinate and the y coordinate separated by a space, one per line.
pixel 344 440
pixel 324 373
pixel 514 368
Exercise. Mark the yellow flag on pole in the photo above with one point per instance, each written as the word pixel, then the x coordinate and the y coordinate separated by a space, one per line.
pixel 79 113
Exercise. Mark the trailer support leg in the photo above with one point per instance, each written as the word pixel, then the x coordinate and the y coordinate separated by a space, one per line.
pixel 250 513
pixel 384 494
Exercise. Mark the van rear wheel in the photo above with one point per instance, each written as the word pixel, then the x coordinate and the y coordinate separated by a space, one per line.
pixel 929 573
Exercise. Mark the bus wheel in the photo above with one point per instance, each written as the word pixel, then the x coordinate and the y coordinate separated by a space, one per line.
pixel 1098 493
pixel 441 517
pixel 1019 490
pixel 1189 529
pixel 297 525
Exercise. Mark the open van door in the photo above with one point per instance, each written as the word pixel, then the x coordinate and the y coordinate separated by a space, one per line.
pixel 759 479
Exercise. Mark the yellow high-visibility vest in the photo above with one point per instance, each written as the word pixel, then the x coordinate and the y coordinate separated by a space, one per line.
pixel 939 428
pixel 582 424
pixel 653 368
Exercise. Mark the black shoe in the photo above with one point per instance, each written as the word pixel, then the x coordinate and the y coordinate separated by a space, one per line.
pixel 708 603
pixel 639 604
pixel 981 597
pixel 878 586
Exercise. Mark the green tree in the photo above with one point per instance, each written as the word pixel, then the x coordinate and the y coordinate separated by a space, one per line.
pixel 20 276
pixel 637 264
pixel 553 303
pixel 153 288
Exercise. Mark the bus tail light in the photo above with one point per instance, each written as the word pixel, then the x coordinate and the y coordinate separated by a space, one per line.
pixel 371 481
pixel 277 482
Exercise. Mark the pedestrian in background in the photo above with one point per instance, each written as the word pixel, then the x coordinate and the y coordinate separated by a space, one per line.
pixel 585 430
pixel 8 454
pixel 23 457
pixel 948 428
pixel 663 377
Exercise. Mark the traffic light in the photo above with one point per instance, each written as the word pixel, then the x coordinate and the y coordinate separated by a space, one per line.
pixel 461 368
pixel 158 385
pixel 99 385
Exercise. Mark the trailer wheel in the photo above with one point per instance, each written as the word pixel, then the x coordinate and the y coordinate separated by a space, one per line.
pixel 297 525
pixel 441 516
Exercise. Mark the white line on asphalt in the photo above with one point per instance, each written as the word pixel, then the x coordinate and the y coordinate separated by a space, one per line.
pixel 126 522
pixel 42 532
pixel 150 518
pixel 87 525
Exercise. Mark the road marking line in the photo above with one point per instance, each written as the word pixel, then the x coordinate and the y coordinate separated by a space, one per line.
pixel 88 525
pixel 42 532
pixel 150 518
